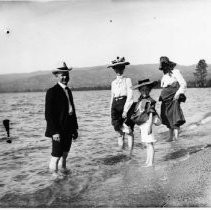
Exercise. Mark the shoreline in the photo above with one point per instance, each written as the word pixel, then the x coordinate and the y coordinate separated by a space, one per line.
pixel 84 89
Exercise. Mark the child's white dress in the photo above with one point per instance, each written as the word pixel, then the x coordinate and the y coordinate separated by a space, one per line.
pixel 144 133
pixel 149 104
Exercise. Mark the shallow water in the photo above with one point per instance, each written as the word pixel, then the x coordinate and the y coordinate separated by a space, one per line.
pixel 94 163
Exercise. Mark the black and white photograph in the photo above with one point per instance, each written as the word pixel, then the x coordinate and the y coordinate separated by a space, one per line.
pixel 105 103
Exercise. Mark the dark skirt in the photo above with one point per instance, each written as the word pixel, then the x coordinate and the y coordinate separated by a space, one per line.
pixel 116 114
pixel 171 112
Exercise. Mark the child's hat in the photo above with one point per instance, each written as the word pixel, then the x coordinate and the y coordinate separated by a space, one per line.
pixel 145 82
pixel 118 62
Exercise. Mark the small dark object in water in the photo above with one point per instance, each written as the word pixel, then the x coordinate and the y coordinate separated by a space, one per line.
pixel 9 141
pixel 8 32
pixel 6 124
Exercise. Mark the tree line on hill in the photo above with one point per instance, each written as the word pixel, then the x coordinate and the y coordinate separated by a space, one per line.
pixel 99 78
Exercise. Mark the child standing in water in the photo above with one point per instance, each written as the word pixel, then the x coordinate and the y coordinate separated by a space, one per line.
pixel 144 115
pixel 121 101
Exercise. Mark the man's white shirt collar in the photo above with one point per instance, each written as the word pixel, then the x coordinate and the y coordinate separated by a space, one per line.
pixel 62 85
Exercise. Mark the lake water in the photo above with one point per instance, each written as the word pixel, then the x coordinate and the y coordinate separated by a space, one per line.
pixel 93 161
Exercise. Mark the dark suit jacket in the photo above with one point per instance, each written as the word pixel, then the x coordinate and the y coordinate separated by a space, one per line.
pixel 56 112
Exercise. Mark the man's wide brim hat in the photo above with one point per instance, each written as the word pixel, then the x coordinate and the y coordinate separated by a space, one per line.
pixel 145 82
pixel 118 62
pixel 165 62
pixel 62 69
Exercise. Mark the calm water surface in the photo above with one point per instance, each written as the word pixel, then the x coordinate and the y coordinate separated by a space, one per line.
pixel 94 161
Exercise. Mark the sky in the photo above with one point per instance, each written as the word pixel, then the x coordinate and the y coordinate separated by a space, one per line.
pixel 40 35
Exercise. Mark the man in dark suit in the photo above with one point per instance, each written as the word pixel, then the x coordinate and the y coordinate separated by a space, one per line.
pixel 61 119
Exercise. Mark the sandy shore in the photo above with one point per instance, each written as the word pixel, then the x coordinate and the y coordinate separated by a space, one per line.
pixel 183 182
pixel 189 181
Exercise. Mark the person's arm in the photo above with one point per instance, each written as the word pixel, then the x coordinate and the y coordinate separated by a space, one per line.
pixel 75 123
pixel 50 114
pixel 181 81
pixel 74 111
pixel 112 95
pixel 162 82
pixel 129 100
pixel 151 106
pixel 150 124
pixel 150 111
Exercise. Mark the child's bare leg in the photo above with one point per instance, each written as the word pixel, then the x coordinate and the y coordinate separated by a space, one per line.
pixel 148 157
pixel 130 142
pixel 147 151
pixel 151 153
pixel 171 134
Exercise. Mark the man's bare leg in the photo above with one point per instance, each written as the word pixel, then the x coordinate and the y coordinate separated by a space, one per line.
pixel 53 165
pixel 62 162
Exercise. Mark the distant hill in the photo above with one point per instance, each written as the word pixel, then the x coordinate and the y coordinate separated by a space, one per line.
pixel 98 77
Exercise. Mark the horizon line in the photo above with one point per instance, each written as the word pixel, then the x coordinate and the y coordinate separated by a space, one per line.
pixel 76 67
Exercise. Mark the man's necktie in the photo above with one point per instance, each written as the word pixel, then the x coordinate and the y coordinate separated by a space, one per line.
pixel 70 106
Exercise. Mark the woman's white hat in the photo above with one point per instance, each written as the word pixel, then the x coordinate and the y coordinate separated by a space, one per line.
pixel 118 62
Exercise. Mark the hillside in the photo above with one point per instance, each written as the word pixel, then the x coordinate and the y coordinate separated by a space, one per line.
pixel 90 77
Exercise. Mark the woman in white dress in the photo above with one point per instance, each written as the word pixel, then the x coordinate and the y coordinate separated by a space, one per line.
pixel 172 95
pixel 121 102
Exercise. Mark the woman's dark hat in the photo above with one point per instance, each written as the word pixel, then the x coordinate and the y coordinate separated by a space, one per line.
pixel 118 62
pixel 166 63
pixel 145 82
pixel 62 69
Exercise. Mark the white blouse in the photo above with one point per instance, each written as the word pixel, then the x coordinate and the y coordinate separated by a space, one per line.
pixel 176 76
pixel 122 86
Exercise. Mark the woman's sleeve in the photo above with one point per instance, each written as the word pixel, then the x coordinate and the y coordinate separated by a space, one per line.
pixel 129 100
pixel 181 81
pixel 50 112
pixel 112 95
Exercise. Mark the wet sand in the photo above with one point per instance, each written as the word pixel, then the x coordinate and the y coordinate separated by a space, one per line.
pixel 189 181
pixel 185 182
